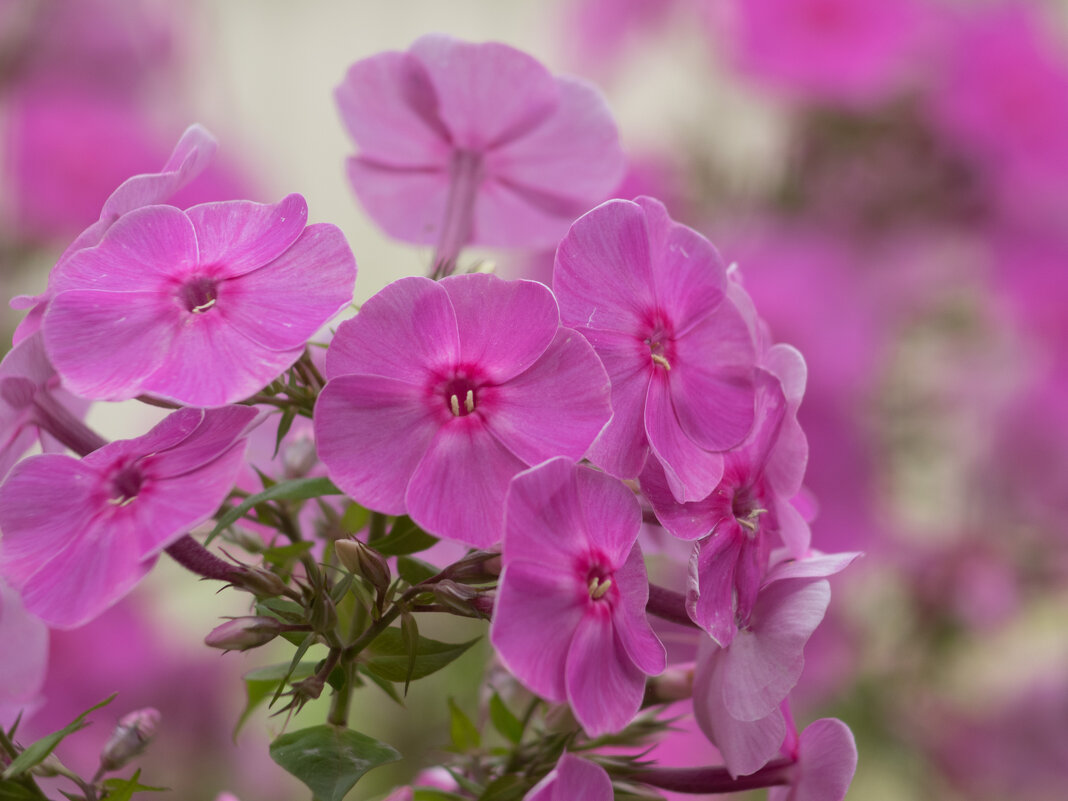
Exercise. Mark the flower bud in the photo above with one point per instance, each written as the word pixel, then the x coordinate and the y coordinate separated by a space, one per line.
pixel 364 561
pixel 243 633
pixel 261 583
pixel 478 567
pixel 461 599
pixel 130 738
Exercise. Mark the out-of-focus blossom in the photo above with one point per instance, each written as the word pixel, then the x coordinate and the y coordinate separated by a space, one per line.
pixel 651 297
pixel 195 306
pixel 440 392
pixel 826 755
pixel 573 778
pixel 78 535
pixel 22 670
pixel 475 144
pixel 569 620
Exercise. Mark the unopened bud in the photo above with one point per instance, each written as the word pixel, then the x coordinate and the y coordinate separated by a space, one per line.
pixel 364 561
pixel 243 633
pixel 261 583
pixel 675 684
pixel 478 567
pixel 130 738
pixel 461 599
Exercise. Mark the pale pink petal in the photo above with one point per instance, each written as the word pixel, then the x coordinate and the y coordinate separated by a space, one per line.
pixel 409 204
pixel 557 407
pixel 489 93
pixel 406 332
pixel 827 761
pixel 534 619
pixel 22 670
pixel 634 633
pixel 603 277
pixel 764 662
pixel 371 434
pixel 504 326
pixel 604 686
pixel 572 779
pixel 389 108
pixel 545 523
pixel 788 365
pixel 263 305
pixel 622 447
pixel 813 565
pixel 508 215
pixel 458 489
pixel 710 597
pixel 692 472
pixel 104 344
pixel 237 236
pixel 788 461
pixel 793 530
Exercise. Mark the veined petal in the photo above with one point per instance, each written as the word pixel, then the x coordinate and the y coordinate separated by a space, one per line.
pixel 544 522
pixel 692 472
pixel 236 236
pixel 687 521
pixel 635 634
pixel 409 203
pixel 371 434
pixel 710 598
pixel 604 686
pixel 217 431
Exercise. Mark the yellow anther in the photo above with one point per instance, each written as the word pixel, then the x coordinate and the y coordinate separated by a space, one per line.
pixel 598 587
pixel 454 403
pixel 658 359
pixel 122 501
pixel 469 401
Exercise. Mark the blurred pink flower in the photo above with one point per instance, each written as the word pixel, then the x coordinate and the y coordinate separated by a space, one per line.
pixel 826 755
pixel 573 778
pixel 22 668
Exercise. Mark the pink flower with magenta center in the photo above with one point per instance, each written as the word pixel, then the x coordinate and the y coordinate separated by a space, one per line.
pixel 569 620
pixel 440 392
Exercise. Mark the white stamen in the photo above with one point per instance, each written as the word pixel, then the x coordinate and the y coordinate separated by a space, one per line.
pixel 203 307
pixel 658 359
pixel 469 401
pixel 122 501
pixel 454 402
pixel 601 589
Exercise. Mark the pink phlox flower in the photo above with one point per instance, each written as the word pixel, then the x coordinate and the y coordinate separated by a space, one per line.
pixel 738 689
pixel 440 392
pixel 573 778
pixel 453 128
pixel 826 759
pixel 191 156
pixel 195 306
pixel 569 619
pixel 30 394
pixel 853 52
pixel 78 535
pixel 22 670
pixel 651 297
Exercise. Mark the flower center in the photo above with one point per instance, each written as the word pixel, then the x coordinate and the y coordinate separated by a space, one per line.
pixel 660 340
pixel 198 294
pixel 744 507
pixel 598 582
pixel 460 396
pixel 125 485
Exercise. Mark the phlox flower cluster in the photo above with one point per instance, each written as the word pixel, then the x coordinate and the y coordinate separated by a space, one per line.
pixel 541 425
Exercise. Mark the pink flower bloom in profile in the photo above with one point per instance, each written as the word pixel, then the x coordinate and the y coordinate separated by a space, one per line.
pixel 573 778
pixel 826 759
pixel 569 619
pixel 22 670
pixel 466 143
pixel 651 297
pixel 78 535
pixel 195 306
pixel 32 403
pixel 440 392
pixel 191 156
pixel 854 52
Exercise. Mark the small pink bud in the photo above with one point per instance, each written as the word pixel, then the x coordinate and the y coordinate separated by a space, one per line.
pixel 130 738
pixel 243 633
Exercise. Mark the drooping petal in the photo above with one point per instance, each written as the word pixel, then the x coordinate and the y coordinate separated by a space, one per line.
pixel 263 305
pixel 409 204
pixel 236 236
pixel 459 487
pixel 504 326
pixel 371 434
pixel 406 332
pixel 603 277
pixel 692 472
pixel 622 447
pixel 104 344
pixel 635 634
pixel 557 407
pixel 389 107
pixel 535 617
pixel 826 762
pixel 687 521
pixel 604 686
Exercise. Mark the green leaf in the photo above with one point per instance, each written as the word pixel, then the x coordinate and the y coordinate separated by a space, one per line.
pixel 415 571
pixel 14 791
pixel 261 682
pixel 284 555
pixel 298 489
pixel 404 538
pixel 123 789
pixel 464 733
pixel 385 685
pixel 284 425
pixel 508 787
pixel 504 721
pixel 302 649
pixel 428 794
pixel 355 518
pixel 330 759
pixel 37 752
pixel 387 656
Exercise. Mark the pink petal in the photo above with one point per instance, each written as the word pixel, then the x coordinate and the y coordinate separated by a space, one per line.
pixel 389 108
pixel 488 93
pixel 104 344
pixel 409 204
pixel 692 473
pixel 217 431
pixel 262 305
pixel 573 778
pixel 534 619
pixel 633 631
pixel 172 430
pixel 788 365
pixel 371 434
pixel 788 460
pixel 604 686
pixel 557 407
pixel 687 521
pixel 826 763
pixel 545 523
pixel 143 251
pixel 237 236
pixel 710 597
pixel 22 670
pixel 712 381
pixel 814 565
pixel 509 215
pixel 622 447
pixel 613 517
pixel 603 277
pixel 765 662
pixel 406 332
pixel 793 530
pixel 504 326
pixel 459 487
